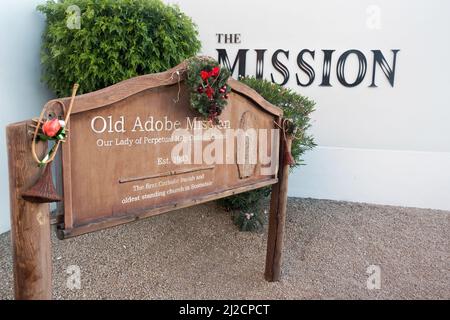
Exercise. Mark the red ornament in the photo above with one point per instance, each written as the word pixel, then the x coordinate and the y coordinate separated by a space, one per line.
pixel 215 71
pixel 222 90
pixel 51 127
pixel 209 92
pixel 205 75
pixel 200 89
pixel 226 96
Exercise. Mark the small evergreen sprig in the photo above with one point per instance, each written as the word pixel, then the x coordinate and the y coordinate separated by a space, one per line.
pixel 250 221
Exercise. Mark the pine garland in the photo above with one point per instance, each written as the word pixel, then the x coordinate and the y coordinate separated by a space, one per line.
pixel 207 82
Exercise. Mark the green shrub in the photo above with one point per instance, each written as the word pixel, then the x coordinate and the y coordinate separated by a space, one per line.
pixel 249 221
pixel 295 107
pixel 244 201
pixel 118 39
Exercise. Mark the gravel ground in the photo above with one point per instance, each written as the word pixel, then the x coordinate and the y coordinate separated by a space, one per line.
pixel 198 253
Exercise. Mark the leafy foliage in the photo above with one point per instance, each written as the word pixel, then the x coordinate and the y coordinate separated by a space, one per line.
pixel 208 86
pixel 249 221
pixel 295 107
pixel 244 201
pixel 118 39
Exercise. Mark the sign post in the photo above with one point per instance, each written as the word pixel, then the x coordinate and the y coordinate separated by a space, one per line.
pixel 30 225
pixel 277 217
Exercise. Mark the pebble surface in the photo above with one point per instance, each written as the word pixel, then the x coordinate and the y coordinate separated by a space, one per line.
pixel 197 253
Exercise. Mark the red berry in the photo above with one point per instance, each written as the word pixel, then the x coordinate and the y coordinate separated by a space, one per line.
pixel 215 71
pixel 222 90
pixel 200 89
pixel 209 92
pixel 205 75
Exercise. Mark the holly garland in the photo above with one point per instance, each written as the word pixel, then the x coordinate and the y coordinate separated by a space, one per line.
pixel 209 91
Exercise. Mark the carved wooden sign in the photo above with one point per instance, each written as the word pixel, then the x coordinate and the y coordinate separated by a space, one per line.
pixel 137 149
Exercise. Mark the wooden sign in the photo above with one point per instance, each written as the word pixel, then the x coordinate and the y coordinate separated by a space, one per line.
pixel 137 149
pixel 121 162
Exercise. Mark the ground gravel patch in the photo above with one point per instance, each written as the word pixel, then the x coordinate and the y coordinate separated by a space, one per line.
pixel 197 253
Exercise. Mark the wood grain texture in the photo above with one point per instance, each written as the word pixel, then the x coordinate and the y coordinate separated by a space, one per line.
pixel 30 225
pixel 43 191
pixel 247 168
pixel 277 218
pixel 94 192
pixel 127 88
pixel 249 93
pixel 115 221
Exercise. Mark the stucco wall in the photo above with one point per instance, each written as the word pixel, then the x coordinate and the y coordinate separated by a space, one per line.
pixel 22 94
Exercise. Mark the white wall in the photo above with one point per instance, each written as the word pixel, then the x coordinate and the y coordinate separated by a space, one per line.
pixel 21 93
pixel 382 145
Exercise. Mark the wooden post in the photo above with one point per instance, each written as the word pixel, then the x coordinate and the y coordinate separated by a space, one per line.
pixel 30 225
pixel 277 216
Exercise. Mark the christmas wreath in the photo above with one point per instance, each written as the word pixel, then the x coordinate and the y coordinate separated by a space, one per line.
pixel 207 82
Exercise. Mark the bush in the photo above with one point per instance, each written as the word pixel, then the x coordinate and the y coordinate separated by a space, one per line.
pixel 295 107
pixel 118 39
pixel 244 201
pixel 249 221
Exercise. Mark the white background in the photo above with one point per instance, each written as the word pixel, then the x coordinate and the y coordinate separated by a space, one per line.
pixel 381 145
pixel 22 95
